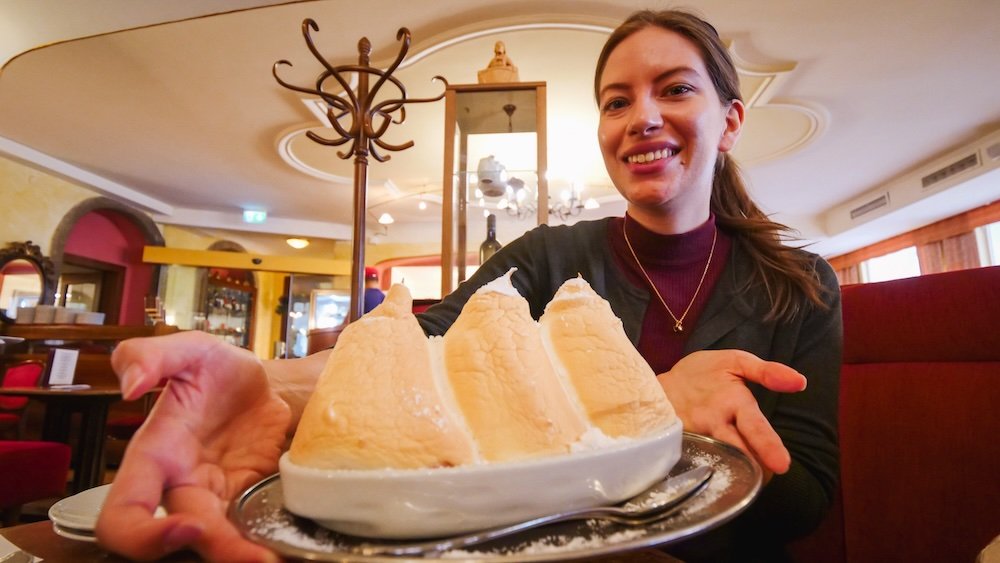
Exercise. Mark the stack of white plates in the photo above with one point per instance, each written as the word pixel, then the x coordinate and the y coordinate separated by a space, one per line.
pixel 87 318
pixel 75 517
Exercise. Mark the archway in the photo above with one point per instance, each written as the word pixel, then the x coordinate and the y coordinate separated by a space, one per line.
pixel 98 247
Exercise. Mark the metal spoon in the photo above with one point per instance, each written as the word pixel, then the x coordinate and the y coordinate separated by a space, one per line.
pixel 651 505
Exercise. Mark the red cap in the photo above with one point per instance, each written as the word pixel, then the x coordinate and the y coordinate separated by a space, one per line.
pixel 371 273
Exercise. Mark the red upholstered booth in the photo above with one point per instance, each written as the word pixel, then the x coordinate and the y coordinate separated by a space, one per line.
pixel 30 471
pixel 19 374
pixel 919 422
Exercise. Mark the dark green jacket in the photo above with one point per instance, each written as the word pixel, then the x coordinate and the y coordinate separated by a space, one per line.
pixel 793 503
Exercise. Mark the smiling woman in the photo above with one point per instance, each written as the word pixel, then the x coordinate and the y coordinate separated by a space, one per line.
pixel 764 320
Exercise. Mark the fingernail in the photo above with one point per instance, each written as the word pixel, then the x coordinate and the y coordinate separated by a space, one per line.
pixel 270 558
pixel 131 380
pixel 180 536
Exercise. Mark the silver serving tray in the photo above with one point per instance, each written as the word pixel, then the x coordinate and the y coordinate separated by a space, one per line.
pixel 260 516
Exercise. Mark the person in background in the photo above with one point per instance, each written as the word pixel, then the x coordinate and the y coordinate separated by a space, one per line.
pixel 733 320
pixel 373 292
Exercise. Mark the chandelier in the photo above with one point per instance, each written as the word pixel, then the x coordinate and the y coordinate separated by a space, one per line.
pixel 517 199
pixel 521 201
pixel 571 203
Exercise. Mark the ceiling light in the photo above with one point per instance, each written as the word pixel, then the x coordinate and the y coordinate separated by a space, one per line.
pixel 591 203
pixel 386 219
pixel 297 243
pixel 422 205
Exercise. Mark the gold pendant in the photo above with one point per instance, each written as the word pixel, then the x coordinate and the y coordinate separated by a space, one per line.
pixel 678 327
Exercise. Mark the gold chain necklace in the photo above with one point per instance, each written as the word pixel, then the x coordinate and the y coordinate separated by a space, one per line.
pixel 678 322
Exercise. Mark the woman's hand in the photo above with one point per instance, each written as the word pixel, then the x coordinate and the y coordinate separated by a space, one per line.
pixel 216 429
pixel 709 393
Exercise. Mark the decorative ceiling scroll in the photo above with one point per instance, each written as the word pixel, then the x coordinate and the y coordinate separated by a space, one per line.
pixel 777 125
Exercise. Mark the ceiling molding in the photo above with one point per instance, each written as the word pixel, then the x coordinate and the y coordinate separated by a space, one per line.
pixel 77 174
pixel 283 146
pixel 760 84
pixel 438 43
pixel 814 121
pixel 273 225
pixel 13 57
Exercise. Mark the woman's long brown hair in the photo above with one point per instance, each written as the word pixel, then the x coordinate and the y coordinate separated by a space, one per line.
pixel 784 272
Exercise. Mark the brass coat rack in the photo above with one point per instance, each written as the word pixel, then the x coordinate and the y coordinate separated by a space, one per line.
pixel 358 120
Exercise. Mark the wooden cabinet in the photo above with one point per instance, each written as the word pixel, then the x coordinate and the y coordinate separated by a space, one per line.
pixel 106 334
pixel 228 311
pixel 95 342
pixel 494 162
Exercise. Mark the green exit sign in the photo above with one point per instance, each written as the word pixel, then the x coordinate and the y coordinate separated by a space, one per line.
pixel 251 216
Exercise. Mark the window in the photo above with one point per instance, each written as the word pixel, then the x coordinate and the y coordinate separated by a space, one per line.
pixel 424 282
pixel 967 240
pixel 893 266
pixel 988 237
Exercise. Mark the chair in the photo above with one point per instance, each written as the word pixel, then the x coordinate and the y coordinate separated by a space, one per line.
pixel 324 338
pixel 20 374
pixel 30 471
pixel 120 428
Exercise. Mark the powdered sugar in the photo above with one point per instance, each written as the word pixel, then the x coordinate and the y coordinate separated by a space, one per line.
pixel 595 439
pixel 282 528
pixel 717 485
pixel 502 285
pixel 556 543
pixel 722 479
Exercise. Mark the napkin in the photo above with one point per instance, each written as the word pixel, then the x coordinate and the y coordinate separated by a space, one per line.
pixel 8 552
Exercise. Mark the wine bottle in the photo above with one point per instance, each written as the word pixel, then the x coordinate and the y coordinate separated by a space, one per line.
pixel 490 246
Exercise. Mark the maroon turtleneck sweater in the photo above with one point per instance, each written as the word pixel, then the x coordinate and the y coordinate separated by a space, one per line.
pixel 675 263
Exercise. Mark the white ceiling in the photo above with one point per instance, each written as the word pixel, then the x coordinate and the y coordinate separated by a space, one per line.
pixel 185 120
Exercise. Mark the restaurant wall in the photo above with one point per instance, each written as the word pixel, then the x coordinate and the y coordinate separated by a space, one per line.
pixel 376 253
pixel 267 326
pixel 180 237
pixel 110 238
pixel 34 202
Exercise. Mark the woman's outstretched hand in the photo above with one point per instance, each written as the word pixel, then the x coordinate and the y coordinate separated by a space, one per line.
pixel 216 429
pixel 709 393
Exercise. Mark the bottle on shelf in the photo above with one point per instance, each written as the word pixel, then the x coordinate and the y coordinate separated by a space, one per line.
pixel 490 246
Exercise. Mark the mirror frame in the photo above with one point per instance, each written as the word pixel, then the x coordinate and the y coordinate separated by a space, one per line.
pixel 32 253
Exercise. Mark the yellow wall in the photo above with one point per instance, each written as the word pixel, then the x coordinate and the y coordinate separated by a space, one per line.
pixel 34 202
pixel 179 237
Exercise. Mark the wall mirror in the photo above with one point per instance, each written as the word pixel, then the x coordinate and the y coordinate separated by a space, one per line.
pixel 26 279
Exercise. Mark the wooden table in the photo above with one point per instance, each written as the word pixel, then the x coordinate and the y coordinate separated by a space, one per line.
pixel 39 540
pixel 60 405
